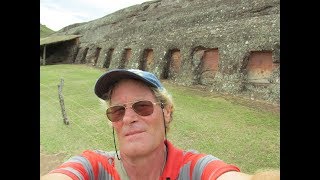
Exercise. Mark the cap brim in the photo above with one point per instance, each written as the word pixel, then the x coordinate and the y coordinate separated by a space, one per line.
pixel 105 82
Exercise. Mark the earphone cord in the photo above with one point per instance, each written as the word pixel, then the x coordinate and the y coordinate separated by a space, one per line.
pixel 164 121
pixel 114 142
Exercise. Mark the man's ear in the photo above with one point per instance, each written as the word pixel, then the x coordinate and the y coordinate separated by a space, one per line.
pixel 167 113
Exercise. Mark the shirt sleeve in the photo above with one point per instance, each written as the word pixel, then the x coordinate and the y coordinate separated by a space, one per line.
pixel 89 165
pixel 215 168
pixel 206 167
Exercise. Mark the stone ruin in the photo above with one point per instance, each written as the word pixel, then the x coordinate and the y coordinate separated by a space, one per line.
pixel 227 46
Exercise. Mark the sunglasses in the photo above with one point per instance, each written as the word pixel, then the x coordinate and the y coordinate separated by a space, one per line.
pixel 142 108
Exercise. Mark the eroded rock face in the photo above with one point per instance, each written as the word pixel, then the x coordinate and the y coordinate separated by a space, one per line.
pixel 229 46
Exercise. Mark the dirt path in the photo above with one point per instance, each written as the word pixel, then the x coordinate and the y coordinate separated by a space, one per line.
pixel 49 161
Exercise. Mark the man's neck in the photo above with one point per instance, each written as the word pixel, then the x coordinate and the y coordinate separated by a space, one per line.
pixel 146 167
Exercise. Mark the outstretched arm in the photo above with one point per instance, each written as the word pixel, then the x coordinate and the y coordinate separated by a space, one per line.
pixel 55 176
pixel 264 175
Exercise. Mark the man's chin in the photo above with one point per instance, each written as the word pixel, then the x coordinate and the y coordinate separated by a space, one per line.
pixel 134 147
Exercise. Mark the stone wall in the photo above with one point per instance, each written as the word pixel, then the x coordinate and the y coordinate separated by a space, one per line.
pixel 229 46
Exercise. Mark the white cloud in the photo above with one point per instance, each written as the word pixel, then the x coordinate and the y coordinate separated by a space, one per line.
pixel 56 14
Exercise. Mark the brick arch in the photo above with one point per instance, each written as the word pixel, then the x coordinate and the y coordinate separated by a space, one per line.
pixel 96 55
pixel 205 61
pixel 108 58
pixel 173 63
pixel 147 59
pixel 82 54
pixel 125 58
pixel 210 60
pixel 259 66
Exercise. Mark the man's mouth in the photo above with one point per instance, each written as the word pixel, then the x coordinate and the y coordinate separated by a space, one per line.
pixel 130 133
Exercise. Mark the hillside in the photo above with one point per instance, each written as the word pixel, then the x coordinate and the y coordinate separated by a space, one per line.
pixel 45 31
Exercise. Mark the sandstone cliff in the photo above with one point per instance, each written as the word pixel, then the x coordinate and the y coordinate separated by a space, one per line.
pixel 229 46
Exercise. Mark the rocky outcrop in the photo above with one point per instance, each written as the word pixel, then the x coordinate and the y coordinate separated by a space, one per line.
pixel 228 46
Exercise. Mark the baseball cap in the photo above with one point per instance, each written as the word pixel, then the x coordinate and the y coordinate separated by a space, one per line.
pixel 105 81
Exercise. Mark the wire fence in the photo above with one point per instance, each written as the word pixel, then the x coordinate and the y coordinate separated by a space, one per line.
pixel 72 115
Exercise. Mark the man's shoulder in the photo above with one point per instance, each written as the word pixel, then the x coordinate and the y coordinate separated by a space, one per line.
pixel 99 154
pixel 104 153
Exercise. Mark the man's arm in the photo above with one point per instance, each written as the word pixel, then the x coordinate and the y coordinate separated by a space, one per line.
pixel 234 175
pixel 55 176
pixel 263 175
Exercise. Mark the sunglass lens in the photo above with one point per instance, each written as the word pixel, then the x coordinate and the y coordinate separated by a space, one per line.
pixel 143 108
pixel 115 113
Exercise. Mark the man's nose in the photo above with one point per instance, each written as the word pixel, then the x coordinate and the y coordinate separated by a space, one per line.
pixel 129 115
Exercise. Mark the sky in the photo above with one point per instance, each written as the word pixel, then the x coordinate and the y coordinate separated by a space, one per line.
pixel 56 14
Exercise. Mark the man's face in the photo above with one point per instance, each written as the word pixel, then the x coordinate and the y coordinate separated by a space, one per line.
pixel 137 135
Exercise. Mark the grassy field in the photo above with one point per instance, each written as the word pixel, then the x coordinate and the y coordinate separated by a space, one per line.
pixel 236 132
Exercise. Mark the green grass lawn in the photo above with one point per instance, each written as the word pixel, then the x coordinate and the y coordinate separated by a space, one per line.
pixel 234 132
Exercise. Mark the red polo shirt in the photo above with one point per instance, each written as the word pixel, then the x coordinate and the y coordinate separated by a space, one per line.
pixel 180 165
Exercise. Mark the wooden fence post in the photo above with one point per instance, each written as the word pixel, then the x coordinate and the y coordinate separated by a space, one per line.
pixel 64 115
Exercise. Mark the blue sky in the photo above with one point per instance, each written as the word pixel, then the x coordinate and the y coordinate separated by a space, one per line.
pixel 56 14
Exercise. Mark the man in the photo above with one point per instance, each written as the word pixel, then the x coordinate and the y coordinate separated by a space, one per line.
pixel 140 110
